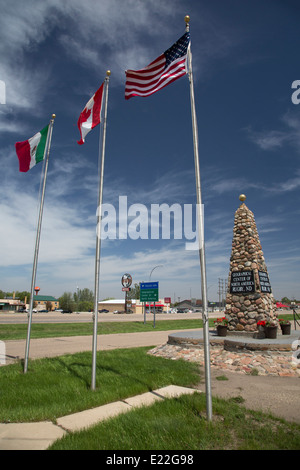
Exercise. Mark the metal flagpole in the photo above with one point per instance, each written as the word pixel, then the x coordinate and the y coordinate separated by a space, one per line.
pixel 37 242
pixel 98 237
pixel 201 239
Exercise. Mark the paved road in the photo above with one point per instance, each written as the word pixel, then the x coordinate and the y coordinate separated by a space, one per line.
pixel 278 395
pixel 85 317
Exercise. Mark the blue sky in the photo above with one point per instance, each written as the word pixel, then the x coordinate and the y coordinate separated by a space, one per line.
pixel 54 56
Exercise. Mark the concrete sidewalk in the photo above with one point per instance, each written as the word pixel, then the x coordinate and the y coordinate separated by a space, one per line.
pixel 51 347
pixel 39 436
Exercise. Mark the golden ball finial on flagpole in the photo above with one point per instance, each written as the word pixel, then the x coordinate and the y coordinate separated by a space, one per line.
pixel 53 116
pixel 187 19
pixel 108 73
pixel 242 197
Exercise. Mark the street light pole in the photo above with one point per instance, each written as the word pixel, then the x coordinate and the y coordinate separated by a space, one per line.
pixel 158 266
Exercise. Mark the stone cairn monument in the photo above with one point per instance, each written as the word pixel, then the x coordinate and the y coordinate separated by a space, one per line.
pixel 249 298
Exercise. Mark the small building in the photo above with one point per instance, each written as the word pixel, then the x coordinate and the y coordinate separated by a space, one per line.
pixel 11 305
pixel 160 306
pixel 134 305
pixel 43 302
pixel 118 305
pixel 113 305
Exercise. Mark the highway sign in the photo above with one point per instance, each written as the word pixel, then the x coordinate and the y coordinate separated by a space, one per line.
pixel 149 292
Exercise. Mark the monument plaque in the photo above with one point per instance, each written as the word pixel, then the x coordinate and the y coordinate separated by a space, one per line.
pixel 242 282
pixel 265 285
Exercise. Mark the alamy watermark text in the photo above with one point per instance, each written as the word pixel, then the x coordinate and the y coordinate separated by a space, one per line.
pixel 161 221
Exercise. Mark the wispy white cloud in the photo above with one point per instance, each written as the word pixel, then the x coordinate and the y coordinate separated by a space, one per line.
pixel 289 185
pixel 19 38
pixel 13 127
pixel 111 33
pixel 221 184
pixel 106 33
pixel 278 139
pixel 269 140
pixel 64 234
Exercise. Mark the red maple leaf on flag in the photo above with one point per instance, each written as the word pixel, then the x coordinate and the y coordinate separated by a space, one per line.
pixel 85 115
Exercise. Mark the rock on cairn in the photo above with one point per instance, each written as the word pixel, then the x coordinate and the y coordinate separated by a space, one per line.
pixel 249 298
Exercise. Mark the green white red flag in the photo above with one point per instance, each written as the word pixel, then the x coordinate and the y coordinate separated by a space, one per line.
pixel 32 151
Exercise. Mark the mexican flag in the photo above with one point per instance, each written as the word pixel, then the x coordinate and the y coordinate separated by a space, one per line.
pixel 32 151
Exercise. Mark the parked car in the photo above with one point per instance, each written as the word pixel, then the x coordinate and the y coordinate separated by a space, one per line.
pixel 104 311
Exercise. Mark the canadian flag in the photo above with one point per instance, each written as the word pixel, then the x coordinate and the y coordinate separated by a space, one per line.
pixel 90 116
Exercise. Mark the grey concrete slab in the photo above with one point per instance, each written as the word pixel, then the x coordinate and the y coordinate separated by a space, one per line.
pixel 172 391
pixel 84 419
pixel 145 399
pixel 29 436
pixel 195 338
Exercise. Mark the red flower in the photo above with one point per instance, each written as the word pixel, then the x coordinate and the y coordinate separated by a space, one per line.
pixel 282 321
pixel 221 321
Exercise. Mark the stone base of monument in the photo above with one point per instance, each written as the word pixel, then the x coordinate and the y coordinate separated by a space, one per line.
pixel 260 334
pixel 237 341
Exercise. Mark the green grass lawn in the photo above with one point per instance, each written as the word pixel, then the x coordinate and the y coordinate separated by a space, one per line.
pixel 181 424
pixel 55 330
pixel 59 386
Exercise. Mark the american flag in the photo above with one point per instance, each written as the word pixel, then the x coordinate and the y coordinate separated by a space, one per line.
pixel 164 70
